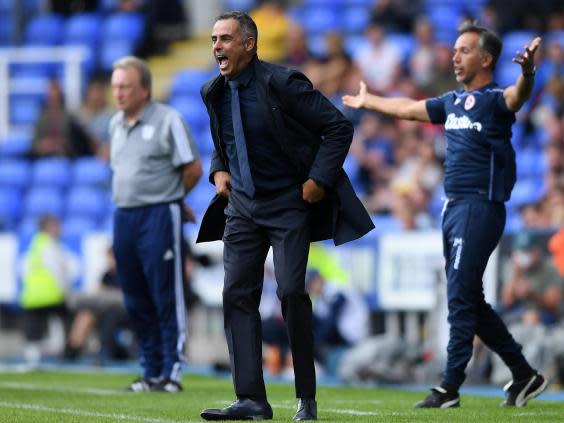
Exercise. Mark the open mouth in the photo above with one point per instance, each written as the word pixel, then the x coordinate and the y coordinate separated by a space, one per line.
pixel 222 61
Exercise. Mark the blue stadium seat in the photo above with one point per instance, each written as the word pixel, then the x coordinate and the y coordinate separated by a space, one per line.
pixel 7 6
pixel 41 201
pixel 526 190
pixel 352 169
pixel 555 36
pixel 35 70
pixel 368 4
pixel 123 26
pixel 14 173
pixel 192 111
pixel 26 229
pixel 354 43
pixel 87 202
pixel 10 208
pixel 199 198
pixel 513 41
pixel 513 223
pixel 24 109
pixel 82 28
pixel 15 145
pixel 107 6
pixel 189 82
pixel 44 30
pixel 531 163
pixel 6 30
pixel 317 45
pixel 334 4
pixel 320 20
pixel 204 142
pixel 74 229
pixel 386 224
pixel 89 171
pixel 507 73
pixel 110 51
pixel 355 20
pixel 445 20
pixel 404 43
pixel 243 5
pixel 51 172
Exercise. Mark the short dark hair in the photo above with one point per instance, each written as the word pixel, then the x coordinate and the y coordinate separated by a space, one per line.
pixel 488 42
pixel 247 26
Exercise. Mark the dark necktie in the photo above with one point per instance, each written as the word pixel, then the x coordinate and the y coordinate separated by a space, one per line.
pixel 240 142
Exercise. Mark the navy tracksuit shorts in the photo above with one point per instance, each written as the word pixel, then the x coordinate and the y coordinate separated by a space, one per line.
pixel 472 228
pixel 148 251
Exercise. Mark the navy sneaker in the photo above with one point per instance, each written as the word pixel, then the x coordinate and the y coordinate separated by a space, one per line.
pixel 518 393
pixel 440 398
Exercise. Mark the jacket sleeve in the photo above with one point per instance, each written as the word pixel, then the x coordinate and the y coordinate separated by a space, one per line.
pixel 315 112
pixel 217 164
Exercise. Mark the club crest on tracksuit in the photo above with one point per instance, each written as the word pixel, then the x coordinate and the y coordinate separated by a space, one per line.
pixel 469 103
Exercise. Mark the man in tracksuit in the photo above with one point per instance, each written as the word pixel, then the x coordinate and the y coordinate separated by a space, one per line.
pixel 479 177
pixel 154 165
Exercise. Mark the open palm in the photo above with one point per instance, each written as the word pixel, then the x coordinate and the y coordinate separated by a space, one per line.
pixel 356 101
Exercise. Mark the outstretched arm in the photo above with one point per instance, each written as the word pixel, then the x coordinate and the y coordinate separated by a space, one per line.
pixel 397 107
pixel 516 95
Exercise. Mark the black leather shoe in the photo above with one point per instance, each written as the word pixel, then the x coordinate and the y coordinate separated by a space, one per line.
pixel 242 409
pixel 307 410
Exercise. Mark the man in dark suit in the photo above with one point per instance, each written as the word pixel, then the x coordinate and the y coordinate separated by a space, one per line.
pixel 277 168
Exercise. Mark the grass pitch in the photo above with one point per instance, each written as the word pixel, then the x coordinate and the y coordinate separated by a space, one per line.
pixel 99 397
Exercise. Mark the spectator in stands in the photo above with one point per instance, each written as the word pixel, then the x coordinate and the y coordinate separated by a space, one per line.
pixel 441 80
pixel 479 177
pixel 383 76
pixel 395 15
pixel 274 26
pixel 154 163
pixel 422 60
pixel 556 248
pixel 95 116
pixel 298 54
pixel 57 132
pixel 103 310
pixel 533 216
pixel 47 276
pixel 335 73
pixel 372 148
pixel 532 290
pixel 340 315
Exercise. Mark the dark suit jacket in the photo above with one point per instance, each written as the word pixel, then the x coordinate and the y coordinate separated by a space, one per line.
pixel 315 136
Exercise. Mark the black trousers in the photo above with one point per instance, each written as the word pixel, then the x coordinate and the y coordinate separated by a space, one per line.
pixel 253 225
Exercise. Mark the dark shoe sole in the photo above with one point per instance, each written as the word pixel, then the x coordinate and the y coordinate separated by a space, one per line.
pixel 217 416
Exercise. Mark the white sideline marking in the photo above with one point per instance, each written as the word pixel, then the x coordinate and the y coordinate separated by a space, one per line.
pixel 51 388
pixel 334 410
pixel 75 412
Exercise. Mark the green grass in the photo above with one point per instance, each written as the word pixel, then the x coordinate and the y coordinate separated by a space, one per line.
pixel 98 397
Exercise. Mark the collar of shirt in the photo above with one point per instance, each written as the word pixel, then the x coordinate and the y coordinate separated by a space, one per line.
pixel 143 117
pixel 244 78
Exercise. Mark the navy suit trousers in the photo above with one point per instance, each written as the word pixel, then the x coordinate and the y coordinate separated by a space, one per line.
pixel 253 225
